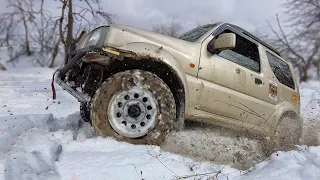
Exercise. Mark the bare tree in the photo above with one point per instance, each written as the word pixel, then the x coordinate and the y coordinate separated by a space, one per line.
pixel 172 29
pixel 21 14
pixel 26 25
pixel 301 44
pixel 89 11
pixel 43 33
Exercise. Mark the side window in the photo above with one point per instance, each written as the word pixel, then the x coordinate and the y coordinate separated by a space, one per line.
pixel 245 54
pixel 281 70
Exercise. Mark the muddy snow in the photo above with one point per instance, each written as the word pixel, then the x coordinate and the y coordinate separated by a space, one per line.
pixel 45 139
pixel 215 144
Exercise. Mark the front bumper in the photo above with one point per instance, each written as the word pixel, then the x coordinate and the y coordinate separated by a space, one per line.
pixel 74 59
pixel 103 56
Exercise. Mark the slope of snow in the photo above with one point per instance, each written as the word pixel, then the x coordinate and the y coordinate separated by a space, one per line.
pixel 37 142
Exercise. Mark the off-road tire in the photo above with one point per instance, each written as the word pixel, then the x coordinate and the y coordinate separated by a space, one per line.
pixel 287 134
pixel 122 82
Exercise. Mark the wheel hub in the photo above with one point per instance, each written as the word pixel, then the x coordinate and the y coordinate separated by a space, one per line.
pixel 133 113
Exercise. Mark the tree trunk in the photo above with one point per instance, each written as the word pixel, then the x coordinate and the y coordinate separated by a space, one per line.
pixel 28 51
pixel 70 32
pixel 304 74
pixel 54 54
pixel 41 32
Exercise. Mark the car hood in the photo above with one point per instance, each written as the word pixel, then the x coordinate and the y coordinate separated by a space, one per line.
pixel 121 35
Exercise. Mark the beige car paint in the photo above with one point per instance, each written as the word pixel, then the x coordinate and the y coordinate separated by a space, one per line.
pixel 217 91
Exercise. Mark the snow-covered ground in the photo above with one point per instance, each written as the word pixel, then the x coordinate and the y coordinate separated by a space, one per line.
pixel 45 139
pixel 25 91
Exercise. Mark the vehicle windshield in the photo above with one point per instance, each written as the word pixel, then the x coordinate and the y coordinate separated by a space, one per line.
pixel 196 33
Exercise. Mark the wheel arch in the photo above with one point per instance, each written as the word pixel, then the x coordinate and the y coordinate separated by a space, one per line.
pixel 284 109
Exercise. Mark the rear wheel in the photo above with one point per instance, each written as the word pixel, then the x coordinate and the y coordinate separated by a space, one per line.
pixel 134 106
pixel 287 134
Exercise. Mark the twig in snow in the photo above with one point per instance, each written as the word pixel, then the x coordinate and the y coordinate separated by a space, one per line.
pixel 215 176
pixel 163 164
pixel 138 173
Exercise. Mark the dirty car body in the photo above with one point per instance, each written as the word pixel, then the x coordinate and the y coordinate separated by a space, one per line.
pixel 217 73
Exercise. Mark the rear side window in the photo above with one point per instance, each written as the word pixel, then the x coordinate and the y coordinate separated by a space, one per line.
pixel 281 70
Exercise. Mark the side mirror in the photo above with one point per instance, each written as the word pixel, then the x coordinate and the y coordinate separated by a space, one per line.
pixel 224 41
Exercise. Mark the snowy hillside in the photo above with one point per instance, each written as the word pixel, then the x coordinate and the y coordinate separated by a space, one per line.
pixel 45 139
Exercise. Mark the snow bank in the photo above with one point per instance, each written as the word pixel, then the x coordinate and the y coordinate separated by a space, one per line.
pixel 301 164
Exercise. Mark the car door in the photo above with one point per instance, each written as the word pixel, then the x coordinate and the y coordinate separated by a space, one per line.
pixel 234 84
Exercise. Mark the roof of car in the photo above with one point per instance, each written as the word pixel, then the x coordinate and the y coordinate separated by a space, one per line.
pixel 251 36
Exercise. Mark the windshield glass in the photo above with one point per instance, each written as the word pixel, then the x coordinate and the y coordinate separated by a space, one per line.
pixel 196 33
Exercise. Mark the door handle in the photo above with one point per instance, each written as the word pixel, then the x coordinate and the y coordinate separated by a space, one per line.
pixel 257 81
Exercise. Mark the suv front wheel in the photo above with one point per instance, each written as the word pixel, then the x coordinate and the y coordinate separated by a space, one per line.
pixel 134 106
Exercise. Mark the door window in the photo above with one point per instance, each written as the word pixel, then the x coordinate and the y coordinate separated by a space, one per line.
pixel 245 54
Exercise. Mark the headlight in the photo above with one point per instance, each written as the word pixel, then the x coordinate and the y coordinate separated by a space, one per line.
pixel 94 37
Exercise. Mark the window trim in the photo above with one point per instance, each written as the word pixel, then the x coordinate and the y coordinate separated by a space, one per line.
pixel 224 27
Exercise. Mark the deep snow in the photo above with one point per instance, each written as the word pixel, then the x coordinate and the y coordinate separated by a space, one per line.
pixel 52 145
